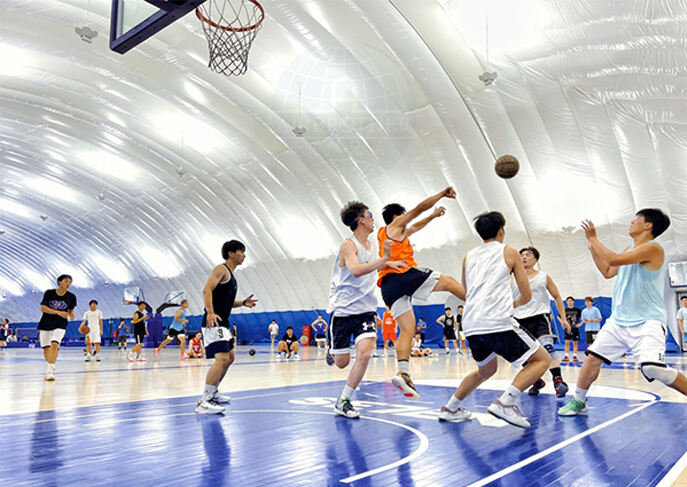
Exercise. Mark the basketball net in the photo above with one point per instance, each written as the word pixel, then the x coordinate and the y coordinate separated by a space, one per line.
pixel 230 26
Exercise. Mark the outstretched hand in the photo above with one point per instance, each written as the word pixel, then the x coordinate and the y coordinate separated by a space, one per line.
pixel 589 229
pixel 449 192
pixel 250 301
pixel 439 211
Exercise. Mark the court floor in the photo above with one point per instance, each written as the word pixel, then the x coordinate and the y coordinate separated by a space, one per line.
pixel 133 424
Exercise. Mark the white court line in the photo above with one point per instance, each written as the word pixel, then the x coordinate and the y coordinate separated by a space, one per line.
pixel 672 475
pixel 424 441
pixel 543 453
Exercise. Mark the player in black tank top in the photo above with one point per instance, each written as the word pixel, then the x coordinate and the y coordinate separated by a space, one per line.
pixel 448 321
pixel 219 297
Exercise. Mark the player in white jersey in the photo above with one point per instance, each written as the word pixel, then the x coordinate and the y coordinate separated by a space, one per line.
pixel 94 318
pixel 638 315
pixel 352 301
pixel 534 317
pixel 489 325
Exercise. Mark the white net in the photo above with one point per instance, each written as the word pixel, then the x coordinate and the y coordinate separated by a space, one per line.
pixel 230 26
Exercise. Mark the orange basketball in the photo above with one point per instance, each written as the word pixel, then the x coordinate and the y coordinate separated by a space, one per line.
pixel 507 166
pixel 84 329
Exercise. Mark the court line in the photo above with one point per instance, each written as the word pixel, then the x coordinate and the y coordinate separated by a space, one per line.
pixel 672 475
pixel 422 448
pixel 563 444
pixel 153 407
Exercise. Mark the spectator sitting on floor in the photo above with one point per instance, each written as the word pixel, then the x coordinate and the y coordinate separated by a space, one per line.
pixel 287 344
pixel 11 337
pixel 417 350
pixel 195 346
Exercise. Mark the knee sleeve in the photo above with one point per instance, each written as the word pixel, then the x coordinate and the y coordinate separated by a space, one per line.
pixel 658 371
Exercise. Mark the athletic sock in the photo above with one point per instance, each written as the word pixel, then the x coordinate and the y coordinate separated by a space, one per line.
pixel 209 392
pixel 555 372
pixel 454 403
pixel 347 392
pixel 404 366
pixel 580 394
pixel 511 395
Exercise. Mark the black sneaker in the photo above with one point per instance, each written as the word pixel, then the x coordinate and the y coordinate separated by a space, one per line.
pixel 560 386
pixel 329 359
pixel 536 387
pixel 345 408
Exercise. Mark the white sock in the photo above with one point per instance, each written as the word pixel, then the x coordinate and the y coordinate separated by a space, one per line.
pixel 209 391
pixel 511 395
pixel 454 403
pixel 404 366
pixel 580 394
pixel 347 392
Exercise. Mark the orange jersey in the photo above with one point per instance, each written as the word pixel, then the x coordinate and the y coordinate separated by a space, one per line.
pixel 389 321
pixel 400 250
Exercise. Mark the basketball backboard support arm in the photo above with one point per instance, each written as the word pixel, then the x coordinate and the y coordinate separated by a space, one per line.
pixel 167 11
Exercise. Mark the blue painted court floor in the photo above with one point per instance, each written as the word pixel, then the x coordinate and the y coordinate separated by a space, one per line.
pixel 290 436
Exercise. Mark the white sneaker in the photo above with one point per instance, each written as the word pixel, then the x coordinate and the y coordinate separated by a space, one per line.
pixel 97 358
pixel 509 413
pixel 130 358
pixel 448 351
pixel 221 398
pixel 208 407
pixel 141 359
pixel 296 356
pixel 87 359
pixel 459 414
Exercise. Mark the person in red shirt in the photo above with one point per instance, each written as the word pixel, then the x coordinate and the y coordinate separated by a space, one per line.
pixel 388 330
pixel 195 347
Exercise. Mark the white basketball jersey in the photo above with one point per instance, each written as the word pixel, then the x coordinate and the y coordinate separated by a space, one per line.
pixel 489 299
pixel 539 304
pixel 350 295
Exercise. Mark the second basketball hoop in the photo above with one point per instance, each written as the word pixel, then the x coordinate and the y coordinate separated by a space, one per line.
pixel 230 27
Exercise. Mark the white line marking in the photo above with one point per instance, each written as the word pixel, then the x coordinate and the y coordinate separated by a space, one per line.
pixel 542 454
pixel 672 475
pixel 424 441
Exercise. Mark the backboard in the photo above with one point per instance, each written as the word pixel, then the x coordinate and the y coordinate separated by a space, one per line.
pixel 134 21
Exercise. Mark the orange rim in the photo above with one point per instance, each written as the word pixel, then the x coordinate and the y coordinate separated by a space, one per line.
pixel 203 18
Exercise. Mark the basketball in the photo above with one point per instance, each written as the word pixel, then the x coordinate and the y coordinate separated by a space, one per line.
pixel 126 328
pixel 304 340
pixel 251 352
pixel 84 329
pixel 506 166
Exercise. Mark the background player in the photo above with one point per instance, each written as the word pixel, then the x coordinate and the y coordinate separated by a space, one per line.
pixel 489 325
pixel 94 318
pixel 140 333
pixel 388 330
pixel 400 285
pixel 572 315
pixel 287 345
pixel 638 315
pixel 4 332
pixel 195 346
pixel 319 326
pixel 57 306
pixel 123 335
pixel 176 330
pixel 448 322
pixel 533 316
pixel 219 297
pixel 274 330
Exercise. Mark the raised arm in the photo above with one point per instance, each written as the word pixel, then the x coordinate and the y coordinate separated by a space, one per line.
pixel 514 261
pixel 401 223
pixel 553 291
pixel 415 227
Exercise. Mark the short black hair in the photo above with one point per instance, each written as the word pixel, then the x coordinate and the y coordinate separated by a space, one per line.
pixel 351 212
pixel 460 306
pixel 391 210
pixel 659 220
pixel 683 297
pixel 142 303
pixel 184 301
pixel 447 308
pixel 62 277
pixel 531 250
pixel 489 223
pixel 122 320
pixel 92 301
pixel 230 247
pixel 289 328
pixel 570 297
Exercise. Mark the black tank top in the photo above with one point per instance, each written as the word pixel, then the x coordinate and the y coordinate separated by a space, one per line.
pixel 449 321
pixel 223 297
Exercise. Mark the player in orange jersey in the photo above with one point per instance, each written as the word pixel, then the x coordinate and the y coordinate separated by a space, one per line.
pixel 399 286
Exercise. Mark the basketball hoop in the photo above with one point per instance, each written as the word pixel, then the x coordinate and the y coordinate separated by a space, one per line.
pixel 230 26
